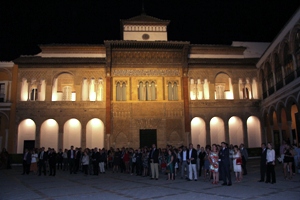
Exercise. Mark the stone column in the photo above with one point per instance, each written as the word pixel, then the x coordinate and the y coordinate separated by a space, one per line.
pixel 38 136
pixel 264 135
pixel 245 131
pixel 272 136
pixel 236 93
pixel 107 141
pixel 207 127
pixel 226 129
pixel 280 132
pixel 83 135
pixel 61 137
pixel 290 131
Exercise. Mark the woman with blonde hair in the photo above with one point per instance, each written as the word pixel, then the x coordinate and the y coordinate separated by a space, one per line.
pixel 214 163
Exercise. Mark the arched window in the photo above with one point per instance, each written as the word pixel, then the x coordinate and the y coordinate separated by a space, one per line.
pixel 264 84
pixel 121 91
pixel 223 87
pixel 278 73
pixel 173 91
pixel 270 80
pixel 147 91
pixel 33 96
pixel 63 88
pixel 288 65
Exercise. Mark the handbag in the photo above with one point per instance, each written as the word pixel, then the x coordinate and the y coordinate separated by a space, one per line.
pixel 239 161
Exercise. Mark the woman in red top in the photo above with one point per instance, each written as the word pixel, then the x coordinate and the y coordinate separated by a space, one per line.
pixel 126 159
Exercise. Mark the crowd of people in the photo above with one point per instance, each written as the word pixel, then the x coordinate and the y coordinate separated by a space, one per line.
pixel 215 162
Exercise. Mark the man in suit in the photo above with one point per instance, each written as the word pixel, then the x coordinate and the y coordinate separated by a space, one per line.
pixel 96 160
pixel 71 158
pixel 263 161
pixel 26 162
pixel 52 162
pixel 244 153
pixel 192 160
pixel 153 157
pixel 77 160
pixel 42 161
pixel 225 164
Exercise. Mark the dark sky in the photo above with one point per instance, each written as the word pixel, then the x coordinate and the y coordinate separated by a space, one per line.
pixel 25 24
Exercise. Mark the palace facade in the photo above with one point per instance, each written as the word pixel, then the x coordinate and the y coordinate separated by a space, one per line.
pixel 144 89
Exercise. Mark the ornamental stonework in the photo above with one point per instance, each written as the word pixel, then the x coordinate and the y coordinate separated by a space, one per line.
pixel 147 123
pixel 146 57
pixel 146 72
pixel 34 74
pixel 92 74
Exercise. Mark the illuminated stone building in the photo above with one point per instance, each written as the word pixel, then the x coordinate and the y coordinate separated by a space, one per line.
pixel 279 70
pixel 139 90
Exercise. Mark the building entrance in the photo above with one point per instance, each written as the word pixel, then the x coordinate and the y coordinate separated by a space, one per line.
pixel 148 137
pixel 29 144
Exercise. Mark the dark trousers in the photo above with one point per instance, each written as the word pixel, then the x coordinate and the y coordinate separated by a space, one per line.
pixel 133 167
pixel 72 166
pixel 26 167
pixel 271 173
pixel 263 170
pixel 139 166
pixel 85 169
pixel 42 166
pixel 76 168
pixel 96 167
pixel 52 169
pixel 66 164
pixel 244 165
pixel 201 167
pixel 226 173
pixel 60 164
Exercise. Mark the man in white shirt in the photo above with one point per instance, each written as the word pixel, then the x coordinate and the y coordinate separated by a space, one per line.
pixel 184 163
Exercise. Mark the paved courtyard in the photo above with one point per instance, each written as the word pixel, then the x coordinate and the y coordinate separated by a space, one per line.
pixel 13 185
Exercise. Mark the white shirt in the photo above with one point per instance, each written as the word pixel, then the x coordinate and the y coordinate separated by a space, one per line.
pixel 270 155
pixel 184 156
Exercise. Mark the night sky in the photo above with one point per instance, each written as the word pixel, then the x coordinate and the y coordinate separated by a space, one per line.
pixel 26 24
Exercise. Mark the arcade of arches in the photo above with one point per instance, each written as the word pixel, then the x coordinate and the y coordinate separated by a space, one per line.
pixel 72 134
pixel 217 131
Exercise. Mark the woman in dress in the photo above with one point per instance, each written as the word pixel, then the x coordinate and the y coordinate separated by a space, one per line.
pixel 270 164
pixel 287 162
pixel 170 166
pixel 207 173
pixel 34 158
pixel 145 160
pixel 237 168
pixel 214 164
pixel 117 160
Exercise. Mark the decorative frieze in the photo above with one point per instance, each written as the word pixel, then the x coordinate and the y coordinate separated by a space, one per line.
pixel 146 72
pixel 146 57
pixel 147 123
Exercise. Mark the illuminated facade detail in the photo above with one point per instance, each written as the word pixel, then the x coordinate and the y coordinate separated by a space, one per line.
pixel 105 95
